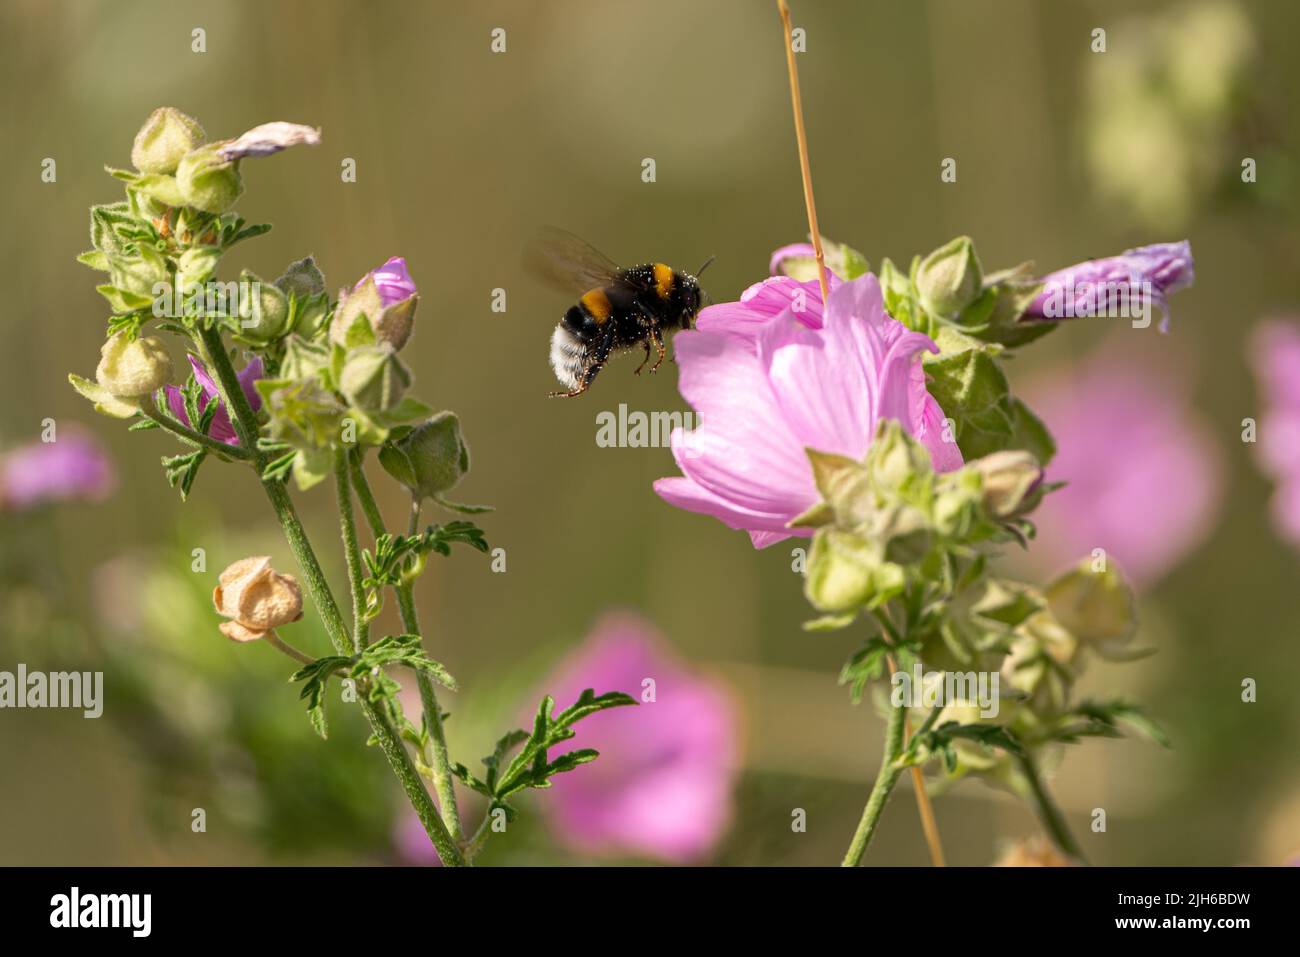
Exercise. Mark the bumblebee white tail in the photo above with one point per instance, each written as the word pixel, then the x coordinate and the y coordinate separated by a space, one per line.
pixel 567 355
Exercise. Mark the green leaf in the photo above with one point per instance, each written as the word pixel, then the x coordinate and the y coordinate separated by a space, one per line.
pixel 95 259
pixel 315 676
pixel 866 664
pixel 405 650
pixel 247 233
pixel 1111 714
pixel 123 300
pixel 531 767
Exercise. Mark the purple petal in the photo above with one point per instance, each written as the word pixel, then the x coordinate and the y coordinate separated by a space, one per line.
pixel 767 388
pixel 1141 277
pixel 392 280
pixel 794 250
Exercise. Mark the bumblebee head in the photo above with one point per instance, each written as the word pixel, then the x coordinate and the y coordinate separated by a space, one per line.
pixel 692 294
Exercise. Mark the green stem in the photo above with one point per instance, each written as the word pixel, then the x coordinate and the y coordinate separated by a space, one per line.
pixel 150 411
pixel 213 352
pixel 885 781
pixel 1051 816
pixel 279 644
pixel 440 755
pixel 348 525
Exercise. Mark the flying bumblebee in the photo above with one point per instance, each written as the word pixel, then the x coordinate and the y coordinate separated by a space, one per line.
pixel 618 309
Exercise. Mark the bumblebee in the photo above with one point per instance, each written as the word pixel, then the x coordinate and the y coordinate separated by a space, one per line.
pixel 618 309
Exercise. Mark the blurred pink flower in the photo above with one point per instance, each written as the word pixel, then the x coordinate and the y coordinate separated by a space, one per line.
pixel 1275 351
pixel 74 466
pixel 221 428
pixel 661 787
pixel 1143 473
pixel 767 387
pixel 410 840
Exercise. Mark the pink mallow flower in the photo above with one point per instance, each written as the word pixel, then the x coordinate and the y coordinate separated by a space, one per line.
pixel 1275 352
pixel 662 786
pixel 775 374
pixel 1132 282
pixel 72 467
pixel 1143 472
pixel 221 428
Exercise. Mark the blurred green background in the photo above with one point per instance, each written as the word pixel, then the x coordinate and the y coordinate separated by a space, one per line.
pixel 461 154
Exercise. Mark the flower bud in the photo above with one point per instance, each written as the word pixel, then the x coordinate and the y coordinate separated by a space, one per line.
pixel 195 267
pixel 207 182
pixel 430 459
pixel 950 278
pixel 387 298
pixel 1040 663
pixel 895 459
pixel 263 310
pixel 303 279
pixel 902 529
pixel 1098 608
pixel 139 273
pixel 167 135
pixel 130 368
pixel 256 598
pixel 843 571
pixel 1011 482
pixel 373 378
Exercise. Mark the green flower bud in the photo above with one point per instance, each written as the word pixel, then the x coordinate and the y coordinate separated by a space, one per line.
pixel 1011 482
pixel 845 487
pixel 895 460
pixel 131 368
pixel 842 571
pixel 207 182
pixel 391 324
pixel 957 502
pixel 373 378
pixel 303 279
pixel 950 278
pixel 902 529
pixel 263 311
pixel 139 273
pixel 430 459
pixel 195 267
pixel 166 136
pixel 303 359
pixel 1041 663
pixel 1098 608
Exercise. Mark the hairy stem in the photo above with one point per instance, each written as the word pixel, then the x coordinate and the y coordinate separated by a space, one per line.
pixel 885 782
pixel 150 411
pixel 351 550
pixel 440 756
pixel 213 351
pixel 1053 821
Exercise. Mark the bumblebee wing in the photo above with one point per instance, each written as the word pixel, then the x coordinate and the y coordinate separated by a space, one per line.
pixel 569 262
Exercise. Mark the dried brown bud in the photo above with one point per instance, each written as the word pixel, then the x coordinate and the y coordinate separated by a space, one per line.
pixel 256 598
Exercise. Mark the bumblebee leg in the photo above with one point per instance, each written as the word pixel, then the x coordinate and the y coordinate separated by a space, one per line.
pixel 659 345
pixel 637 370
